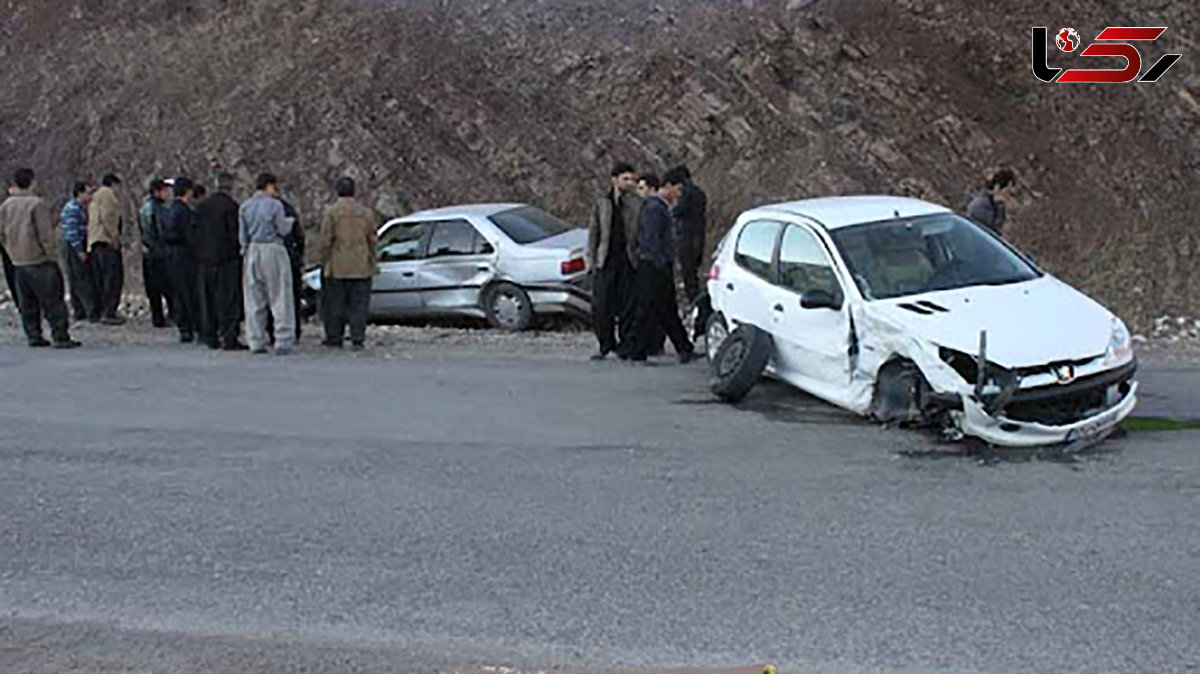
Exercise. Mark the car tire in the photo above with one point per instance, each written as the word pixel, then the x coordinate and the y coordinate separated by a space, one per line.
pixel 508 307
pixel 739 363
pixel 901 395
pixel 716 331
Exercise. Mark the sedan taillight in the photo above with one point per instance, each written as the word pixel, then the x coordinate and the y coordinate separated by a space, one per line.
pixel 714 272
pixel 574 266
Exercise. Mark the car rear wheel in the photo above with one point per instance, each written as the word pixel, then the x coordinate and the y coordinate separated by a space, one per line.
pixel 739 363
pixel 508 307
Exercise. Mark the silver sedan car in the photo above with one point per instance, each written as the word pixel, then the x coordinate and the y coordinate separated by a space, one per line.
pixel 507 263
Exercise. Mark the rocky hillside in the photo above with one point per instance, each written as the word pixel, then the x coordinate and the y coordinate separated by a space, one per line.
pixel 461 100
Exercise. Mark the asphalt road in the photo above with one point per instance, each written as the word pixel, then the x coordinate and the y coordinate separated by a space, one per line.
pixel 172 510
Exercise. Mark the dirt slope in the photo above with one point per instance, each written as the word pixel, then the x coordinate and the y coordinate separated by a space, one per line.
pixel 532 99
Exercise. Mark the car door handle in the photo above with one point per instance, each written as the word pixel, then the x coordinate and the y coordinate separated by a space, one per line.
pixel 408 274
pixel 729 286
pixel 483 267
pixel 779 308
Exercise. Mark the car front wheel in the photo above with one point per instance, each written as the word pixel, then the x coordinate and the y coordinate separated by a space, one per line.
pixel 715 333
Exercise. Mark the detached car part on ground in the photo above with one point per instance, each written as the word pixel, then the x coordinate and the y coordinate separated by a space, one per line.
pixel 508 263
pixel 901 310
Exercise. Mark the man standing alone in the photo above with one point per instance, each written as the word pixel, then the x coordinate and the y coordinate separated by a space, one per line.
pixel 217 251
pixel 181 268
pixel 691 212
pixel 655 286
pixel 75 257
pixel 154 252
pixel 347 246
pixel 612 236
pixel 27 233
pixel 268 271
pixel 104 246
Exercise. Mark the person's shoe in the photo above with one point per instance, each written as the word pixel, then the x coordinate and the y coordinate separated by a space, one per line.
pixel 357 346
pixel 112 320
pixel 214 345
pixel 331 344
pixel 260 351
pixel 282 351
pixel 687 357
pixel 235 346
pixel 38 343
pixel 599 355
pixel 186 338
pixel 93 319
pixel 68 344
pixel 159 322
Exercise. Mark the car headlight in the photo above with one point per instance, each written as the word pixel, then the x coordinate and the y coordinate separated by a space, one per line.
pixel 1120 344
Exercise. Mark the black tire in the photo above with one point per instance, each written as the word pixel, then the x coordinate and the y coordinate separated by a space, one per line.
pixel 739 363
pixel 508 307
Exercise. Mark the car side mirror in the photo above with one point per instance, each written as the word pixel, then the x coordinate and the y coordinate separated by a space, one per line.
pixel 820 299
pixel 486 249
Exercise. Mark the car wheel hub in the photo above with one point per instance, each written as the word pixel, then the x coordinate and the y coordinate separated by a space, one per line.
pixel 714 338
pixel 733 358
pixel 507 309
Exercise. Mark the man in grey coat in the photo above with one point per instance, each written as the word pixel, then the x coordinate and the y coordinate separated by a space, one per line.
pixel 612 237
pixel 268 270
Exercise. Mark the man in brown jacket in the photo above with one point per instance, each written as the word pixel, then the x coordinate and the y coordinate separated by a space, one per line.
pixel 612 237
pixel 27 233
pixel 104 246
pixel 348 249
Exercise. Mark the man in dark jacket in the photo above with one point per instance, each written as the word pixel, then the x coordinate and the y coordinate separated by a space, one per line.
pixel 181 268
pixel 691 215
pixel 612 237
pixel 213 240
pixel 294 242
pixel 989 207
pixel 154 252
pixel 655 286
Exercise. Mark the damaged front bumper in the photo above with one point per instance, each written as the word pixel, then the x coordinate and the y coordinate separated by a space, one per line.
pixel 1023 421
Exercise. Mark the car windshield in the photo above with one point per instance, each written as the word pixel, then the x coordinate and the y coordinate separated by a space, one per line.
pixel 530 225
pixel 906 256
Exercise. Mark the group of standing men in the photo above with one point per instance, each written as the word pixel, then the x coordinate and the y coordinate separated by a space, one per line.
pixel 637 231
pixel 211 262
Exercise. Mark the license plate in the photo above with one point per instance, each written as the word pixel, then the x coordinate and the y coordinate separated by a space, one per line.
pixel 1092 430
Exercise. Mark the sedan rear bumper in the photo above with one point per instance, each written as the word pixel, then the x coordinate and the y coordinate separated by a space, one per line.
pixel 564 299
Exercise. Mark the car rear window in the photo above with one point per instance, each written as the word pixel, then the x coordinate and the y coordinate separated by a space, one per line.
pixel 528 224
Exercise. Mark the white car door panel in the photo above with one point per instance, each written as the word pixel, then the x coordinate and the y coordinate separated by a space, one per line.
pixel 812 344
pixel 745 287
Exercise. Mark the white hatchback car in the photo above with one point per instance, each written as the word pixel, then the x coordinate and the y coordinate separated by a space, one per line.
pixel 902 310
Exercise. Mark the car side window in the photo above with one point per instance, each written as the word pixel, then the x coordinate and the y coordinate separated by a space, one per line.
pixel 756 247
pixel 403 242
pixel 455 237
pixel 803 264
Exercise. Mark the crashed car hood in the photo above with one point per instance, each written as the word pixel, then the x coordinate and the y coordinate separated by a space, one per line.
pixel 1028 324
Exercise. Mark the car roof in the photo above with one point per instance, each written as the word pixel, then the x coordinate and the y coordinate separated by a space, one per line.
pixel 463 210
pixel 838 212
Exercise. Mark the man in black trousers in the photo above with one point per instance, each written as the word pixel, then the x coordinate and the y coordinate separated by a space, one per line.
pixel 213 240
pixel 181 268
pixel 691 213
pixel 655 279
pixel 612 235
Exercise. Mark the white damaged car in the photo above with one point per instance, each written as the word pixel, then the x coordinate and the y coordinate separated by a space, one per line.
pixel 904 311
